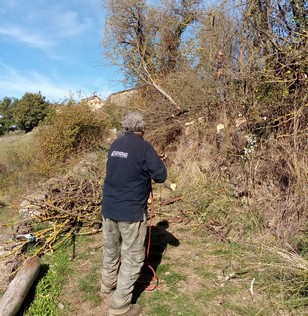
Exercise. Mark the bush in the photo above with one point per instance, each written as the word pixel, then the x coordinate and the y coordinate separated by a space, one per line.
pixel 75 129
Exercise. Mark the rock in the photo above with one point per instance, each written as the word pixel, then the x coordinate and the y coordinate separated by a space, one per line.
pixel 31 206
pixel 61 306
pixel 6 265
pixel 30 210
pixel 23 229
pixel 173 186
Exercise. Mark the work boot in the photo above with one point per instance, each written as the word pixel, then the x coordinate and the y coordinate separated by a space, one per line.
pixel 134 310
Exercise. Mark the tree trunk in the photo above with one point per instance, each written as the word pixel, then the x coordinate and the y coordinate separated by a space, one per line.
pixel 18 289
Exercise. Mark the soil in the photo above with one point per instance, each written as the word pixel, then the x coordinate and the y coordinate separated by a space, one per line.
pixel 163 241
pixel 211 277
pixel 170 235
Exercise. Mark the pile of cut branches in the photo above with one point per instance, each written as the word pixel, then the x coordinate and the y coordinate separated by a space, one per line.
pixel 71 209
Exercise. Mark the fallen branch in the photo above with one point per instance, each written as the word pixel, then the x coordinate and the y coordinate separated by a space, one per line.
pixel 171 201
pixel 71 210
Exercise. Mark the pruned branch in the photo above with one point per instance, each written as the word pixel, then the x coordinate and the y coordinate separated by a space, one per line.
pixel 71 210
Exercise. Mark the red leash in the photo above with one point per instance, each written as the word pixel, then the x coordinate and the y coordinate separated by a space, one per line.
pixel 154 282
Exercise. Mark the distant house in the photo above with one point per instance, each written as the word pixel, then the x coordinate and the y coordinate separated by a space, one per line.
pixel 95 103
pixel 123 97
pixel 120 98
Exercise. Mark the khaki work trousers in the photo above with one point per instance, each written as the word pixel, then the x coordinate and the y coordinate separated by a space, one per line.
pixel 123 258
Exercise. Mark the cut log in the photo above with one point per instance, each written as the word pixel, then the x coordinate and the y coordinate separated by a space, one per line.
pixel 18 289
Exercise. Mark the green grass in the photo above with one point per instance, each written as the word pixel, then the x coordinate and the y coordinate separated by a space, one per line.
pixel 89 283
pixel 280 285
pixel 48 288
pixel 246 310
pixel 166 271
pixel 167 302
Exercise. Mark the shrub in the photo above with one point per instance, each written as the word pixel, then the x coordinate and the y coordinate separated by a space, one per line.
pixel 75 129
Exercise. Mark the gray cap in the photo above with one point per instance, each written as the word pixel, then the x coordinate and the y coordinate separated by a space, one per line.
pixel 134 122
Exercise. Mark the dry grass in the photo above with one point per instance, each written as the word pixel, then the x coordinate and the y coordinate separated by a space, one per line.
pixel 18 172
pixel 246 207
pixel 281 191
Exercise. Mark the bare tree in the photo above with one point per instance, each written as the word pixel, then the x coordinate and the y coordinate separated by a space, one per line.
pixel 145 40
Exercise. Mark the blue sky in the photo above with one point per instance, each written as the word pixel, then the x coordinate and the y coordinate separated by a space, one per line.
pixel 54 47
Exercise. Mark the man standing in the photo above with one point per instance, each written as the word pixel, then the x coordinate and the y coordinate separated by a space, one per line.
pixel 132 164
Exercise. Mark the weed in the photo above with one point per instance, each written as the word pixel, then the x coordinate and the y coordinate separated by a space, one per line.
pixel 88 283
pixel 48 289
pixel 170 302
pixel 160 310
pixel 5 215
pixel 245 310
pixel 90 287
pixel 169 276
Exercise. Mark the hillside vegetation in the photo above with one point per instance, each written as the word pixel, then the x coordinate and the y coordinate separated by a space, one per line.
pixel 244 203
pixel 224 96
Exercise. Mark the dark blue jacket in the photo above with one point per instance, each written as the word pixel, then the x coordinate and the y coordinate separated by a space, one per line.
pixel 132 164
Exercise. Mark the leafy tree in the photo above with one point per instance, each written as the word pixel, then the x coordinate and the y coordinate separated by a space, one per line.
pixel 30 110
pixel 6 113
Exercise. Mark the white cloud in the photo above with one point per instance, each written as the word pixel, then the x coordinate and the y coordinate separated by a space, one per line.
pixel 44 24
pixel 18 84
pixel 67 24
pixel 52 47
pixel 21 35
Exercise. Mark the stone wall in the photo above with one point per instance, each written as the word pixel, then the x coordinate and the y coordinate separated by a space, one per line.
pixel 123 97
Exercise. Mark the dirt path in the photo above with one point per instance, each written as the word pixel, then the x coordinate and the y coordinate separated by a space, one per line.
pixel 87 264
pixel 199 274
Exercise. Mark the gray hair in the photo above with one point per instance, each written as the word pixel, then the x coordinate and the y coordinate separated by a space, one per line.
pixel 134 122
